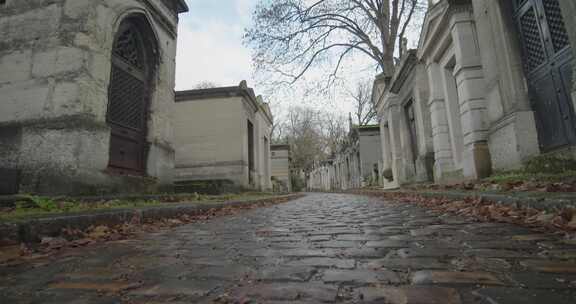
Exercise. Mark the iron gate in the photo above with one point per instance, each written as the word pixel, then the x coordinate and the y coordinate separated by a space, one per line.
pixel 128 101
pixel 547 62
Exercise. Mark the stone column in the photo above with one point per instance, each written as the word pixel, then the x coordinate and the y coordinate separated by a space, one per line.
pixel 471 89
pixel 394 127
pixel 384 142
pixel 569 11
pixel 425 161
pixel 453 113
pixel 439 121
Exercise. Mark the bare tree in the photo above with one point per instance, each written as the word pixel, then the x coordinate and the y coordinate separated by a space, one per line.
pixel 291 36
pixel 363 104
pixel 305 137
pixel 335 131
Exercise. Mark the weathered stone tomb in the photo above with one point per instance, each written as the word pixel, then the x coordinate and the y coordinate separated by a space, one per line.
pixel 222 138
pixel 490 86
pixel 86 88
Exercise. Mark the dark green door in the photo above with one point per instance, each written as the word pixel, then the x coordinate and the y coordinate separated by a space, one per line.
pixel 547 59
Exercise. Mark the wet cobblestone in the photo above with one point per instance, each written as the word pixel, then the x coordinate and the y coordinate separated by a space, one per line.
pixel 323 248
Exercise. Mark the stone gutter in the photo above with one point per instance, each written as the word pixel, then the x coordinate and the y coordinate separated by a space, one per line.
pixel 33 229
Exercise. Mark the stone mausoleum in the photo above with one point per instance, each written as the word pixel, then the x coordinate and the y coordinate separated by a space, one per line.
pixel 86 88
pixel 222 138
pixel 280 171
pixel 355 164
pixel 490 86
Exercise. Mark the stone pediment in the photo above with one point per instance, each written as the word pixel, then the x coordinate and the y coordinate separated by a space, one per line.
pixel 436 24
pixel 435 19
pixel 403 70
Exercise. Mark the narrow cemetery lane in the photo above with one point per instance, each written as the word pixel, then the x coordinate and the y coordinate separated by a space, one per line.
pixel 321 248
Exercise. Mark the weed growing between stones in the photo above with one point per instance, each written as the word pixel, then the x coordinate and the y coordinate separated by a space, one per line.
pixel 72 238
pixel 38 206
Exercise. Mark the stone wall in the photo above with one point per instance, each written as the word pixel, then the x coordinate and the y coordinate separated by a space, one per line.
pixel 209 140
pixel 264 128
pixel 512 135
pixel 370 154
pixel 280 166
pixel 55 58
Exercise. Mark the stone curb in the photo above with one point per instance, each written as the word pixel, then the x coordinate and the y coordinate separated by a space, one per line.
pixel 31 230
pixel 9 200
pixel 518 201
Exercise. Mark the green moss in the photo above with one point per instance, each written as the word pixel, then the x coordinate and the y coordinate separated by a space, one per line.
pixel 37 206
pixel 551 164
pixel 522 176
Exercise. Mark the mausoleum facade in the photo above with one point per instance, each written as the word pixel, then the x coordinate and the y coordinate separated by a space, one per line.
pixel 86 90
pixel 489 87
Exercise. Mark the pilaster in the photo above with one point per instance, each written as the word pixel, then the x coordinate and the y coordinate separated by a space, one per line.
pixel 439 121
pixel 394 127
pixel 471 95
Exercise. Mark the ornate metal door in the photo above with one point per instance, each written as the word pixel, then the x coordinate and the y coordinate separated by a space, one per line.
pixel 547 62
pixel 128 101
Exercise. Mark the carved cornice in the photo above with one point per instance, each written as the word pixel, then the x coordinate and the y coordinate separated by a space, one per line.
pixel 403 70
pixel 159 16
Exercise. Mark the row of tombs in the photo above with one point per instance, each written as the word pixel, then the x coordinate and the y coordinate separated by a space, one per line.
pixel 488 88
pixel 87 106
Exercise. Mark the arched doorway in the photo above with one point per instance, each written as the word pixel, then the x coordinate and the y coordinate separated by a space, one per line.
pixel 547 61
pixel 129 96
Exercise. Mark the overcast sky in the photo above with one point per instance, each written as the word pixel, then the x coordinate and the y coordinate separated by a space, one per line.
pixel 210 43
pixel 210 49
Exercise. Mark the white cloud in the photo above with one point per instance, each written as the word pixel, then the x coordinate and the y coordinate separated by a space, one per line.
pixel 212 54
pixel 210 49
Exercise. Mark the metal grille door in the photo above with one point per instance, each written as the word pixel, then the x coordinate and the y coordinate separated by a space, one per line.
pixel 128 101
pixel 547 61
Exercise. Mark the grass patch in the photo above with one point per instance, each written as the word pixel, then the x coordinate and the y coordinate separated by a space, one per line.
pixel 37 206
pixel 522 176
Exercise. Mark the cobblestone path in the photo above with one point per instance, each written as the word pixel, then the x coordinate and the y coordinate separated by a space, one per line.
pixel 332 248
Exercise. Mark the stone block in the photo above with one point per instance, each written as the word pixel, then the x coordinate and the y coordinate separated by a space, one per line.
pixel 76 8
pixel 286 274
pixel 25 100
pixel 15 66
pixel 360 277
pixel 449 277
pixel 324 262
pixel 58 60
pixel 500 295
pixel 513 140
pixel 409 295
pixel 65 98
pixel 34 24
pixel 288 292
pixel 9 181
pixel 411 263
pixel 550 266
